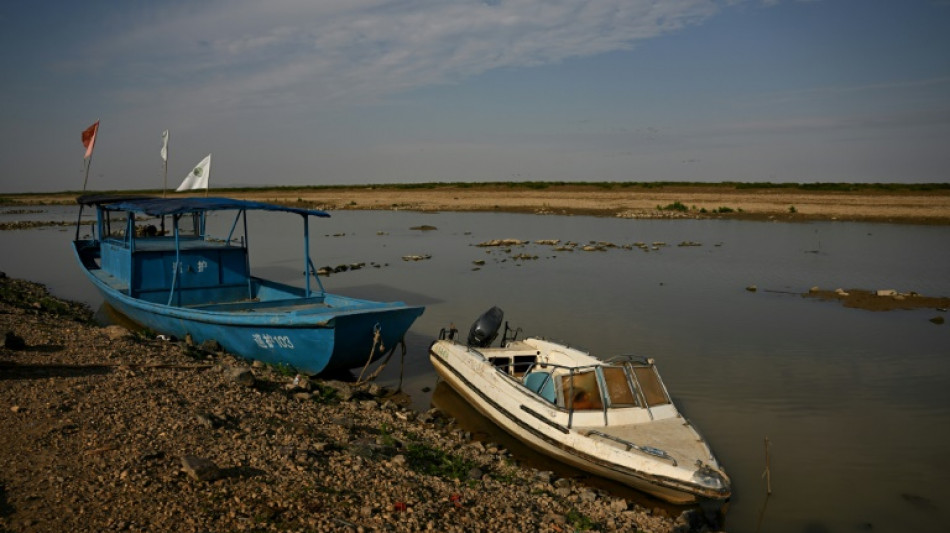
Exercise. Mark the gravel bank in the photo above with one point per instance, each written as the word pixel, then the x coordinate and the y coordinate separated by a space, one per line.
pixel 104 430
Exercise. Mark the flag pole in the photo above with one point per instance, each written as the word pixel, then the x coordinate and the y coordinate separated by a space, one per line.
pixel 208 185
pixel 88 163
pixel 165 139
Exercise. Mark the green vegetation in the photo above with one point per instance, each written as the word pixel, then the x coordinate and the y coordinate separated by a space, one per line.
pixel 580 522
pixel 532 185
pixel 509 478
pixel 284 369
pixel 325 395
pixel 54 306
pixel 432 461
pixel 816 186
pixel 675 206
pixel 36 297
pixel 386 435
pixel 843 187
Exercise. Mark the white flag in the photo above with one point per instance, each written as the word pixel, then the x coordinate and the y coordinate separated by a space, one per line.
pixel 165 145
pixel 198 177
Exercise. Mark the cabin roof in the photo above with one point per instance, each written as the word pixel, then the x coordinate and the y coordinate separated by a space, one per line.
pixel 155 206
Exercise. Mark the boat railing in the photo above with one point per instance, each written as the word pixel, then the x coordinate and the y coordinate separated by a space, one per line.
pixel 601 391
pixel 649 450
pixel 629 358
pixel 313 272
pixel 448 333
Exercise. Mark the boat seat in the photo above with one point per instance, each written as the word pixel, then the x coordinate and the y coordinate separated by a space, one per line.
pixel 541 383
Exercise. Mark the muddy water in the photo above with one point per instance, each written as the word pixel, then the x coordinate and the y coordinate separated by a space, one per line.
pixel 855 404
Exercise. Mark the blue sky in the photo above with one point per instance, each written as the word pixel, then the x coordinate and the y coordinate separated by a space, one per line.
pixel 297 92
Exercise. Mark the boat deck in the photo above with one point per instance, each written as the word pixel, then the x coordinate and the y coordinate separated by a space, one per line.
pixel 110 280
pixel 167 244
pixel 673 435
pixel 292 305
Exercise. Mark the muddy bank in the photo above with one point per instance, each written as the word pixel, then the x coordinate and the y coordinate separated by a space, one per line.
pixel 109 431
pixel 880 300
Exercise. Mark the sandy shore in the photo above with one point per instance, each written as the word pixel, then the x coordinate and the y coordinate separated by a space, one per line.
pixel 895 205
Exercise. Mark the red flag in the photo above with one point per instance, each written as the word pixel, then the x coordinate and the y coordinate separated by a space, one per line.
pixel 89 138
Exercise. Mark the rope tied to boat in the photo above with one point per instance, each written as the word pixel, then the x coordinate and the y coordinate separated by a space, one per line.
pixel 402 342
pixel 377 341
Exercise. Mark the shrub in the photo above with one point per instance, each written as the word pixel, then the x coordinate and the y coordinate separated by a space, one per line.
pixel 675 206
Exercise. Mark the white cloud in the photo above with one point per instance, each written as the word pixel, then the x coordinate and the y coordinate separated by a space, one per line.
pixel 288 50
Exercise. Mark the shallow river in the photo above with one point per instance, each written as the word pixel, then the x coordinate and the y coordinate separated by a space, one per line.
pixel 855 404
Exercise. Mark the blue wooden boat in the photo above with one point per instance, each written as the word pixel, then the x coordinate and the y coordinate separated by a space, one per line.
pixel 154 261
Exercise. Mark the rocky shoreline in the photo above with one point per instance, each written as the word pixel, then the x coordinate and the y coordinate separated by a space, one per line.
pixel 106 430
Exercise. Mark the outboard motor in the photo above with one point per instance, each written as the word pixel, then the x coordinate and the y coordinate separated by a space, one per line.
pixel 485 329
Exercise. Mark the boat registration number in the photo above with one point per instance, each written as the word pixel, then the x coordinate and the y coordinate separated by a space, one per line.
pixel 268 341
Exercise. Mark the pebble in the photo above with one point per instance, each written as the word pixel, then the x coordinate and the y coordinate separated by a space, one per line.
pixel 242 375
pixel 199 468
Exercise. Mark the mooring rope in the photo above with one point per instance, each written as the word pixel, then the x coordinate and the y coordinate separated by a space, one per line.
pixel 382 365
pixel 377 340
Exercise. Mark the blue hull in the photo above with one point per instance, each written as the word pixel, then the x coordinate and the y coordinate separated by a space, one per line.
pixel 183 281
pixel 311 340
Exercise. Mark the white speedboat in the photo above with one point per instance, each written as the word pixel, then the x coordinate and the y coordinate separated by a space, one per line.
pixel 614 420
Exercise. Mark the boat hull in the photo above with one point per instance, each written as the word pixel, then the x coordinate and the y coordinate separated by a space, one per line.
pixel 193 278
pixel 516 414
pixel 309 343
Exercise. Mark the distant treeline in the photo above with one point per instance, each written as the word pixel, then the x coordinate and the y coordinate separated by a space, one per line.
pixel 844 187
pixel 817 186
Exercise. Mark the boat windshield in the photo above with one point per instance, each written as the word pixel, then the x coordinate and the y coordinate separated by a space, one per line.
pixel 651 386
pixel 584 393
pixel 619 392
pixel 589 388
pixel 632 384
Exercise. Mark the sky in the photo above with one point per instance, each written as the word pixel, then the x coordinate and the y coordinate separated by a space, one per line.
pixel 357 92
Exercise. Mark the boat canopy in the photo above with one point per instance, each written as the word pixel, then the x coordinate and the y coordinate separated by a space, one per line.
pixel 155 206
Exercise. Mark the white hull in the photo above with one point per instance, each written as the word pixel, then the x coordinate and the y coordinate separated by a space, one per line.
pixel 648 447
